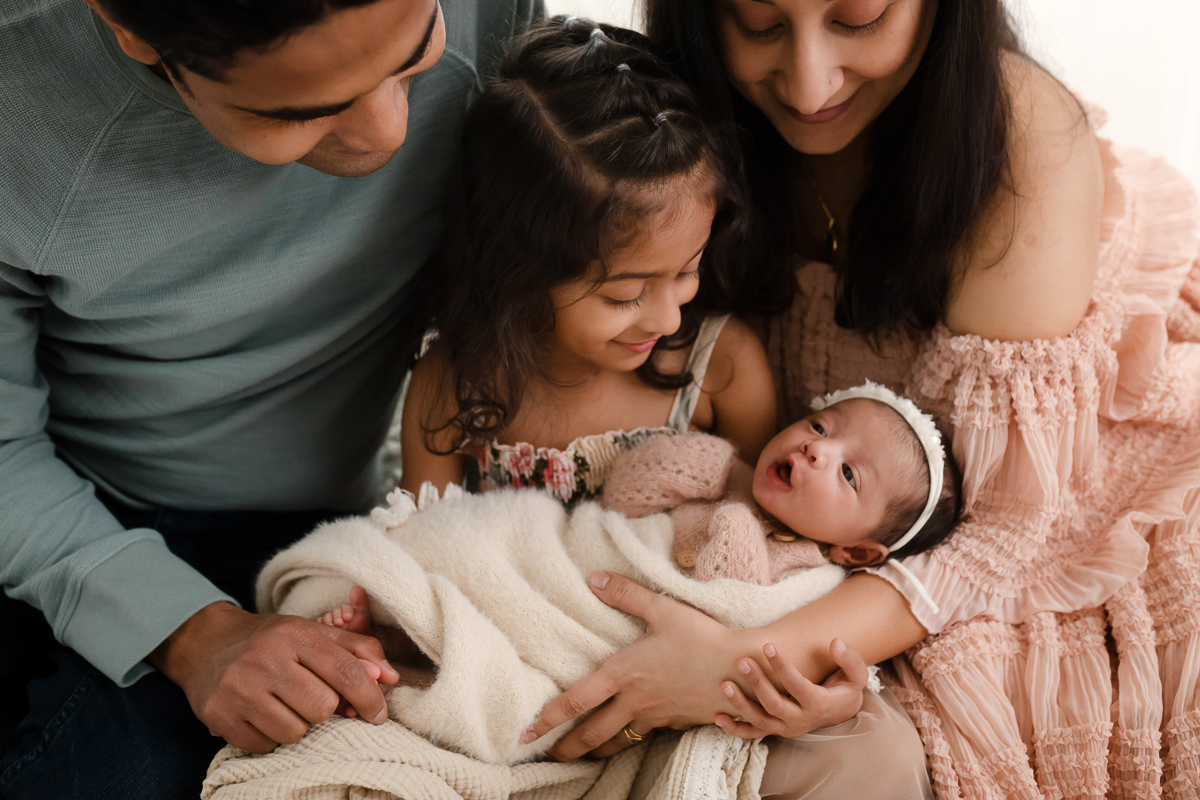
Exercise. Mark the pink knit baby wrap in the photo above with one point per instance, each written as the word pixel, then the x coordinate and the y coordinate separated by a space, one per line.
pixel 687 476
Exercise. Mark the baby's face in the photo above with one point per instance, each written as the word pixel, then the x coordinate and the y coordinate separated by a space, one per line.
pixel 830 476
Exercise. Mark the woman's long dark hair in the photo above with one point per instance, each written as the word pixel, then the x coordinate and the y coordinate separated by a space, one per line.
pixel 581 138
pixel 937 155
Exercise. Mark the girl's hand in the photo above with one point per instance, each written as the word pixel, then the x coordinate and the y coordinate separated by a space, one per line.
pixel 803 706
pixel 672 676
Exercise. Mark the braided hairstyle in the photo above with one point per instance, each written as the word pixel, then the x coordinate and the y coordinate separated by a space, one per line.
pixel 581 140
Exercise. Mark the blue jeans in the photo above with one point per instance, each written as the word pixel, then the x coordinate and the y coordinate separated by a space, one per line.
pixel 68 732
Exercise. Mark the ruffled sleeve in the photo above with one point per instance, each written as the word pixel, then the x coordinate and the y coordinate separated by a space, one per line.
pixel 1057 492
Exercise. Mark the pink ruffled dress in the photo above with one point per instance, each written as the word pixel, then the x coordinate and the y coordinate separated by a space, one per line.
pixel 1064 658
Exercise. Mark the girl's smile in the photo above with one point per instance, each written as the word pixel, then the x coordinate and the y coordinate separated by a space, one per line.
pixel 640 347
pixel 614 324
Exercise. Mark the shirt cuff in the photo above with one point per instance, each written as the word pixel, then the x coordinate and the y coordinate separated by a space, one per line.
pixel 130 602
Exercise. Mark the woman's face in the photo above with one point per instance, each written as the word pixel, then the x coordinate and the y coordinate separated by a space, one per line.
pixel 822 70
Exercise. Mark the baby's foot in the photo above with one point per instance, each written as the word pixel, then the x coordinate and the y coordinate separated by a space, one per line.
pixel 353 616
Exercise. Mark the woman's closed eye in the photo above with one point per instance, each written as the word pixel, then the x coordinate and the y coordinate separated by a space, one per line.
pixel 765 33
pixel 865 28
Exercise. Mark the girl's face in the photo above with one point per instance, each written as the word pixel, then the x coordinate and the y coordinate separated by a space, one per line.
pixel 822 70
pixel 831 476
pixel 615 325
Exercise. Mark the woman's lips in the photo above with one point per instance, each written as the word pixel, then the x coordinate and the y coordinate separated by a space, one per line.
pixel 638 347
pixel 824 115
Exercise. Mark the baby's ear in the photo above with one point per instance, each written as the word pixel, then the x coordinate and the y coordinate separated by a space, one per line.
pixel 860 554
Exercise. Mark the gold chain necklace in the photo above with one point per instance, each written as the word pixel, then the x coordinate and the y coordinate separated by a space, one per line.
pixel 831 240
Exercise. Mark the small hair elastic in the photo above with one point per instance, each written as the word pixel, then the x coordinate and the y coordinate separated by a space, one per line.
pixel 597 33
pixel 931 443
pixel 623 67
pixel 660 118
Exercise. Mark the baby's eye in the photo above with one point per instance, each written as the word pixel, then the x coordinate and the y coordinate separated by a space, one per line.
pixel 818 429
pixel 848 474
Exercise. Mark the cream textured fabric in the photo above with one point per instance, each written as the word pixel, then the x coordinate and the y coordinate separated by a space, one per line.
pixel 493 588
pixel 343 759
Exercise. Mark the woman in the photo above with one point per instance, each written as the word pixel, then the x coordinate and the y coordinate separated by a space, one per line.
pixel 997 261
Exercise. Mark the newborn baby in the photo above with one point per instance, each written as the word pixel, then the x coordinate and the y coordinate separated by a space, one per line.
pixel 857 477
pixel 854 476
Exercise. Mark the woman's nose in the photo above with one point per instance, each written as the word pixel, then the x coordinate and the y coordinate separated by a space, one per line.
pixel 813 75
pixel 378 121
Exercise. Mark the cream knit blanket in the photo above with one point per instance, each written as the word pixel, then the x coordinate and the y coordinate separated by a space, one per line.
pixel 493 588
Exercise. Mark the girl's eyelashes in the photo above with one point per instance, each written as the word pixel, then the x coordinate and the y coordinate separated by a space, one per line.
pixel 634 303
pixel 848 474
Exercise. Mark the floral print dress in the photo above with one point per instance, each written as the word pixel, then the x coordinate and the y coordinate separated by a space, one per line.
pixel 578 471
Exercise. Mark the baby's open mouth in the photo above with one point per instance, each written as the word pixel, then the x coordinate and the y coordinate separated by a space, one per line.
pixel 783 471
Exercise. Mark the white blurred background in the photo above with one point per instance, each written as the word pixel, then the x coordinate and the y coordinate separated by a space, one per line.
pixel 1139 59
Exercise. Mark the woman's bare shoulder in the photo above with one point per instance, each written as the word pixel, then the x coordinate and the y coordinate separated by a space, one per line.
pixel 1028 268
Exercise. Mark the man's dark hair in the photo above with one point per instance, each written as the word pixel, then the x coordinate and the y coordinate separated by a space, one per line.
pixel 937 155
pixel 204 36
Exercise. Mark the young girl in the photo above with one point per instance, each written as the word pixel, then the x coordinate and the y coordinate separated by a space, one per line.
pixel 589 239
pixel 593 233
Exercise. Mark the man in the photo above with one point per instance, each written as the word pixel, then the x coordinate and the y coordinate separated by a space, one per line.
pixel 207 223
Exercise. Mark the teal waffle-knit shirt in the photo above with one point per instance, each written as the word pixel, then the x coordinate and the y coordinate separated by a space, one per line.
pixel 184 326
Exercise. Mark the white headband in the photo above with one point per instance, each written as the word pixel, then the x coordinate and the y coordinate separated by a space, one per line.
pixel 922 425
pixel 931 442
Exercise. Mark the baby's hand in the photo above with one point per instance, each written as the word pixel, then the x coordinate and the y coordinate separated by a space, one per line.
pixel 353 616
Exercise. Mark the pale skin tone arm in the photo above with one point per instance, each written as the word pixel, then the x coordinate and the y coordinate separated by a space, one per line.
pixel 1027 275
pixel 1031 270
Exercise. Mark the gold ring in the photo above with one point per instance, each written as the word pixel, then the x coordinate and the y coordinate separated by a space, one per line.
pixel 634 738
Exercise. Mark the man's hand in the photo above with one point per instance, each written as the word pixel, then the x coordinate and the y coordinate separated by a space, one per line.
pixel 258 680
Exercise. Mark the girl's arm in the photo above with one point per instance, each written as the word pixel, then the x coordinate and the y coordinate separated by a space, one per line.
pixel 741 390
pixel 679 672
pixel 430 400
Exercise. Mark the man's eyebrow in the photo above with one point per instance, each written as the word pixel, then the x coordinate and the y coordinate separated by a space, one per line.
pixel 306 113
pixel 629 276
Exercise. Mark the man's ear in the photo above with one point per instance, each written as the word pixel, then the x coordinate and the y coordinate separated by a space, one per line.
pixel 860 554
pixel 134 46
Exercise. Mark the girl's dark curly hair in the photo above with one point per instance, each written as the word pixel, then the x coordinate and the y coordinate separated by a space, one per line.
pixel 581 138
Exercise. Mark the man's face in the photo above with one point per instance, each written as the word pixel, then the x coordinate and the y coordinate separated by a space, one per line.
pixel 332 96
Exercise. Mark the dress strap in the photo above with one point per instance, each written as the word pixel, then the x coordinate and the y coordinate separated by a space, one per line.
pixel 685 398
